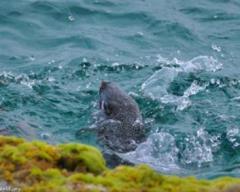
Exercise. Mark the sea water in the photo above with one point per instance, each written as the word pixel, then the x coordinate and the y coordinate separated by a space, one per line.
pixel 178 59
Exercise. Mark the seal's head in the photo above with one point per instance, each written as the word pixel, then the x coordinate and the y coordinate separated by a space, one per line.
pixel 117 104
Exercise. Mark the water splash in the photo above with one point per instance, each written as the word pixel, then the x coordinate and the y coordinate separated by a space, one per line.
pixel 156 151
pixel 156 86
pixel 198 149
pixel 23 79
pixel 216 48
pixel 199 63
pixel 184 101
pixel 233 136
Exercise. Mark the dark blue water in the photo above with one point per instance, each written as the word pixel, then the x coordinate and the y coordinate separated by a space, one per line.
pixel 178 59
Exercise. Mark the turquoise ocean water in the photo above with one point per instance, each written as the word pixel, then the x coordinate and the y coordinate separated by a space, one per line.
pixel 180 61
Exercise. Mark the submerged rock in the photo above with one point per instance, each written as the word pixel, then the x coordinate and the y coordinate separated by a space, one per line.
pixel 36 166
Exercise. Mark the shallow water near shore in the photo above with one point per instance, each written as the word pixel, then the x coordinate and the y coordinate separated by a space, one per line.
pixel 178 60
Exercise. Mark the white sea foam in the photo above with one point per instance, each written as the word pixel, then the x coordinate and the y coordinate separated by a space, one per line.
pixel 183 102
pixel 156 85
pixel 158 149
pixel 23 79
pixel 71 18
pixel 199 63
pixel 198 149
pixel 233 136
pixel 161 147
pixel 216 48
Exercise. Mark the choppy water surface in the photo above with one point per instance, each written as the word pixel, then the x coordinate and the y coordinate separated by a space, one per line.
pixel 178 59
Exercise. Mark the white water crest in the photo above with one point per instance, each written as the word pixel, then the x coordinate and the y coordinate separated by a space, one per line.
pixel 23 79
pixel 156 85
pixel 199 63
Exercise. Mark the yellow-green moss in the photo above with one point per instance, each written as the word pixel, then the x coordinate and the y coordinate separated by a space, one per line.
pixel 37 166
pixel 73 156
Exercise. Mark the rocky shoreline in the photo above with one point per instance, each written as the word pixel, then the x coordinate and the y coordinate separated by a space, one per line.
pixel 37 166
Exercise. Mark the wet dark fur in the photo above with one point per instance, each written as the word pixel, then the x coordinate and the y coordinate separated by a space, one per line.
pixel 122 126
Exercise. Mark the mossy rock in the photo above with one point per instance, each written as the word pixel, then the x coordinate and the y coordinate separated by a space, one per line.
pixel 38 167
pixel 74 156
pixel 19 159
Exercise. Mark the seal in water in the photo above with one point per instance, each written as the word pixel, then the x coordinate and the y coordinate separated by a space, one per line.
pixel 121 127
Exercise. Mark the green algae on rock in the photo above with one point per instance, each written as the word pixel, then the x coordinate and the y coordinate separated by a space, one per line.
pixel 19 159
pixel 37 166
pixel 73 156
